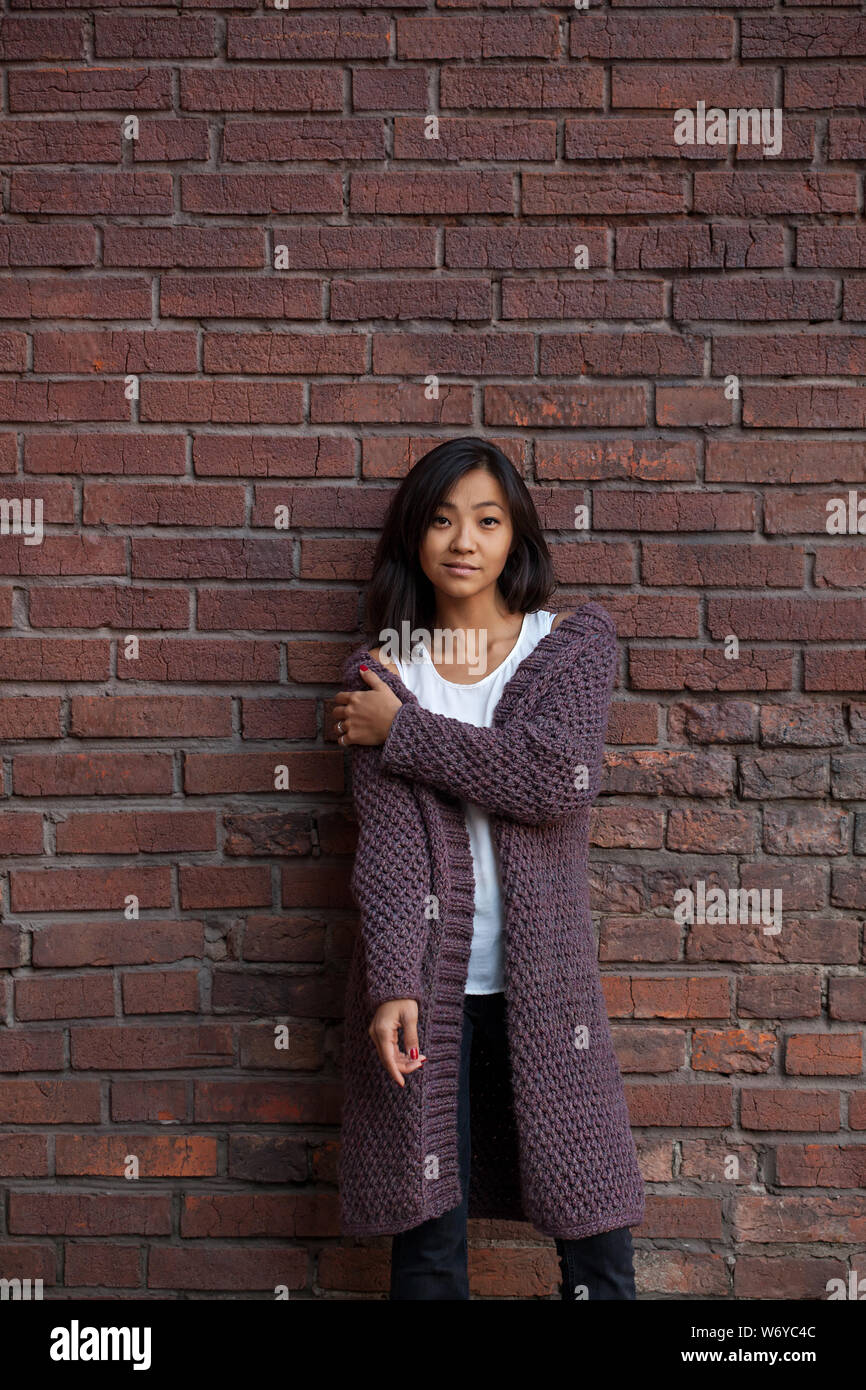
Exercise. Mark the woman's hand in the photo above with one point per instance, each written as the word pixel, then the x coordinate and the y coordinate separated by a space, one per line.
pixel 388 1018
pixel 366 716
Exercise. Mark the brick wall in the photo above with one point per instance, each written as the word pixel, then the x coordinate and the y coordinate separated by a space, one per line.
pixel 218 333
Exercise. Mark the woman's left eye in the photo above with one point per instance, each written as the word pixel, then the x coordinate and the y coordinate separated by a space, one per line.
pixel 494 519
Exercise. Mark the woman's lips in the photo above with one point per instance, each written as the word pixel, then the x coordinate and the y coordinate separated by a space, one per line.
pixel 461 569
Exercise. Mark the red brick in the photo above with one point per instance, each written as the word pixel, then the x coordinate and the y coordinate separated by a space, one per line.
pixel 65 1213
pixel 711 832
pixel 693 405
pixel 783 461
pixel 64 996
pixel 840 84
pixel 811 36
pixel 805 407
pixel 732 1050
pixel 774 619
pixel 70 944
pixel 681 668
pixel 745 193
pixel 325 137
pixel 824 1054
pixel 103 1266
pixel 715 297
pixel 263 193
pixel 88 88
pixel 430 192
pixel 460 138
pixel 679 85
pixel 82 889
pixel 831 246
pixel 570 85
pixel 563 407
pixel 27 38
pixel 478 36
pixel 789 1109
pixel 649 460
pixel 812 830
pixel 261 89
pixel 49 1102
pixel 795 354
pixel 671 511
pixel 584 194
pixel 704 246
pixel 722 565
pixel 227 1267
pixel 137 191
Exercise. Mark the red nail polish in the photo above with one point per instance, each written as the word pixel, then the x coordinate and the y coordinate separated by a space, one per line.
pixel 364 668
pixel 413 1053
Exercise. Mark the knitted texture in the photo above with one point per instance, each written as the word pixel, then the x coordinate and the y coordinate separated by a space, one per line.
pixel 551 1142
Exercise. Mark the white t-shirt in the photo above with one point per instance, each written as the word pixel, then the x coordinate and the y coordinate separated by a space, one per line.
pixel 474 704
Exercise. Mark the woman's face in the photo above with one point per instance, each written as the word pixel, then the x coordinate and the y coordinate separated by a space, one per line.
pixel 468 540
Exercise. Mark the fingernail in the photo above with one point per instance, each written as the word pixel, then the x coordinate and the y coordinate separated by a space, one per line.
pixel 364 668
pixel 413 1053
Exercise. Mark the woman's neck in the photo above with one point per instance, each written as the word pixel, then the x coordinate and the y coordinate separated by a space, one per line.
pixel 477 613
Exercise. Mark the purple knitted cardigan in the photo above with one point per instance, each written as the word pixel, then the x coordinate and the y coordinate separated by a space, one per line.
pixel 551 1141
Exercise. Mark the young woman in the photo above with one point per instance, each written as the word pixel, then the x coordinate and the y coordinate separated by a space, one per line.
pixel 480 1077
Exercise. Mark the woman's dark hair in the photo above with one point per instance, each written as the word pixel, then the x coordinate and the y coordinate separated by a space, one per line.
pixel 400 590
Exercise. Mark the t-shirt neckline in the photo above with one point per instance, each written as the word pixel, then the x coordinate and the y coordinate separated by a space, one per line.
pixel 473 685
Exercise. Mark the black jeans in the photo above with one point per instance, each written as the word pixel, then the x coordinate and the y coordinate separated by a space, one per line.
pixel 430 1260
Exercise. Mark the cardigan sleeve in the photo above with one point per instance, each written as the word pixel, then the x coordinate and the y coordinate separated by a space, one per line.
pixel 542 766
pixel 390 879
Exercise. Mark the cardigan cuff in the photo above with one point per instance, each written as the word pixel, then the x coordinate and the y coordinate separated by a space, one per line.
pixel 397 749
pixel 401 989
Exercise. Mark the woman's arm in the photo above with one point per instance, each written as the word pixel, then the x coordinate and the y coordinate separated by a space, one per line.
pixel 535 769
pixel 390 877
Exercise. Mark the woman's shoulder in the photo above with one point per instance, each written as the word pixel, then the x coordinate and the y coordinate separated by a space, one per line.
pixel 352 679
pixel 387 662
pixel 560 617
pixel 589 617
